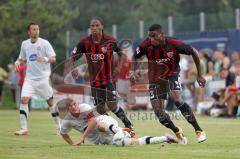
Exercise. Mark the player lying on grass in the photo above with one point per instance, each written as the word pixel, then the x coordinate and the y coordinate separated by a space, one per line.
pixel 98 129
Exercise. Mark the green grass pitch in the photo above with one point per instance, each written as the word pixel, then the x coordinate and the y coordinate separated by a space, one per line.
pixel 223 140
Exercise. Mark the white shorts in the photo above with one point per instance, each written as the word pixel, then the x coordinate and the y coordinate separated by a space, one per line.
pixel 37 89
pixel 103 137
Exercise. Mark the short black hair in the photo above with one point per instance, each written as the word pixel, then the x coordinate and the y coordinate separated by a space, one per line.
pixel 100 20
pixel 30 24
pixel 155 27
pixel 97 18
pixel 225 53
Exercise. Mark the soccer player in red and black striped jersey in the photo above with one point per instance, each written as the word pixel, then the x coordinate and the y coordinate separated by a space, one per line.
pixel 163 55
pixel 98 49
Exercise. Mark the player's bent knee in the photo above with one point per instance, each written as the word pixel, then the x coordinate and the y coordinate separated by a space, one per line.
pixel 24 100
pixel 178 103
pixel 102 127
pixel 50 102
pixel 112 105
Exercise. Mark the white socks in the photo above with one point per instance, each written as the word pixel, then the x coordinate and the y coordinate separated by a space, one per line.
pixel 55 114
pixel 23 116
pixel 152 140
pixel 113 128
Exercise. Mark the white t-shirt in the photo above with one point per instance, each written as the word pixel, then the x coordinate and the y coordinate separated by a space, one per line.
pixel 29 52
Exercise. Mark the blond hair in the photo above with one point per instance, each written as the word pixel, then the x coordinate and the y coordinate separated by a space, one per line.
pixel 68 102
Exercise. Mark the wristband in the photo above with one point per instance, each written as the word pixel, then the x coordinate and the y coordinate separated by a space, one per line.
pixel 46 59
pixel 17 62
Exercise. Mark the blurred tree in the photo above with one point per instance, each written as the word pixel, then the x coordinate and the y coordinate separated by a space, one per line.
pixel 52 16
pixel 125 11
pixel 111 12
pixel 56 16
pixel 119 12
pixel 211 6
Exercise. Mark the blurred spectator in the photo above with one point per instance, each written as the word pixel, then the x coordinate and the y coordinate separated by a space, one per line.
pixel 234 57
pixel 3 76
pixel 123 82
pixel 208 64
pixel 228 76
pixel 82 74
pixel 234 61
pixel 14 78
pixel 184 68
pixel 228 97
pixel 82 77
pixel 225 60
pixel 21 73
pixel 217 63
pixel 191 76
pixel 237 72
pixel 199 91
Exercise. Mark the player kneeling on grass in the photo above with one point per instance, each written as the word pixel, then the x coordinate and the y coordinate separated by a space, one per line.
pixel 98 129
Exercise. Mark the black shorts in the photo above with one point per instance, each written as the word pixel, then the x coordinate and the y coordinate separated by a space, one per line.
pixel 102 94
pixel 160 89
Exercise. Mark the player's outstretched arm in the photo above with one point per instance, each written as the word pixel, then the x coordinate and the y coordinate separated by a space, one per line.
pixel 67 138
pixel 200 79
pixel 91 125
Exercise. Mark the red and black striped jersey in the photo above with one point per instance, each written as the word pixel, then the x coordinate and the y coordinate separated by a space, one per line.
pixel 99 57
pixel 163 60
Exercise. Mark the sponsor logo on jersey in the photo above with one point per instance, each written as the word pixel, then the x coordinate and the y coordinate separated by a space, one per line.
pixel 74 50
pixel 33 57
pixel 170 54
pixel 138 50
pixel 104 49
pixel 97 57
pixel 160 61
pixel 177 84
pixel 39 48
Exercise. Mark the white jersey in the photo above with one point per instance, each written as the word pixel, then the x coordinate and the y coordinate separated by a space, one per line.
pixel 29 52
pixel 80 124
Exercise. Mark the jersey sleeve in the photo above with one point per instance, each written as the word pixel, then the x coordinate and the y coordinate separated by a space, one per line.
pixel 90 115
pixel 184 49
pixel 118 50
pixel 78 51
pixel 112 44
pixel 66 127
pixel 87 110
pixel 49 50
pixel 22 54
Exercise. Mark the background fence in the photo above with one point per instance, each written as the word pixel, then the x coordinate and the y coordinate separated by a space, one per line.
pixel 189 27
